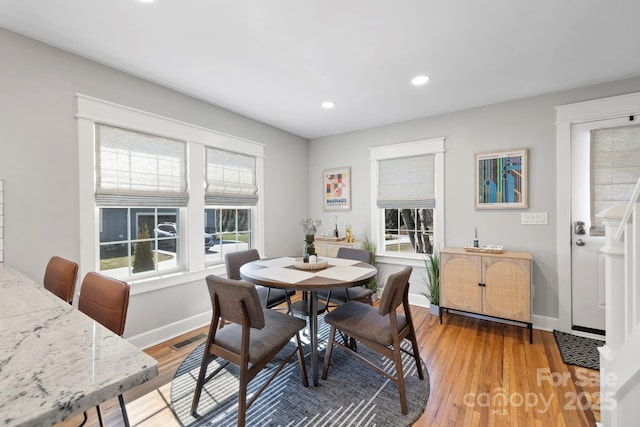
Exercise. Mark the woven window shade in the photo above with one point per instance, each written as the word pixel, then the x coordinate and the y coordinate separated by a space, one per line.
pixel 615 168
pixel 231 179
pixel 139 169
pixel 407 182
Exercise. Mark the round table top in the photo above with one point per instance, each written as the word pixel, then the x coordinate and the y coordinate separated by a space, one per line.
pixel 282 273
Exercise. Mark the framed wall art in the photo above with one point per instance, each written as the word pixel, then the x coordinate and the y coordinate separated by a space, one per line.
pixel 337 189
pixel 501 179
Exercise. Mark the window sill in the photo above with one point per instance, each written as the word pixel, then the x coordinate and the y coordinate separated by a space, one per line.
pixel 155 283
pixel 413 260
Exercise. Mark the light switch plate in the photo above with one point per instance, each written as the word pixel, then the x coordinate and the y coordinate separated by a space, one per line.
pixel 534 218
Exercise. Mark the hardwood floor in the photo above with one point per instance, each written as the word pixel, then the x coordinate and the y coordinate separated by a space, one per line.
pixel 482 373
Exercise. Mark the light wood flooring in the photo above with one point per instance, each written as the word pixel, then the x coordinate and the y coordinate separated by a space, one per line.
pixel 482 373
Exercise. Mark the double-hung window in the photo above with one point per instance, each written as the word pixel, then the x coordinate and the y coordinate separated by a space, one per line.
pixel 231 196
pixel 407 195
pixel 141 185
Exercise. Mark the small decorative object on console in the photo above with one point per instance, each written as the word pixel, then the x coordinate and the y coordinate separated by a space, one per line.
pixel 487 249
pixel 350 238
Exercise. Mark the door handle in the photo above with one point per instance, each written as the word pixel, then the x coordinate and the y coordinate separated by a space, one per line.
pixel 580 242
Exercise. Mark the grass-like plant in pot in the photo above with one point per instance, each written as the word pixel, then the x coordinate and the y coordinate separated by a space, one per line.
pixel 371 247
pixel 432 280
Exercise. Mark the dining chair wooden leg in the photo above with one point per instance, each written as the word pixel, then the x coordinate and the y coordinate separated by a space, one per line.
pixel 397 357
pixel 242 396
pixel 327 354
pixel 303 367
pixel 206 358
pixel 416 354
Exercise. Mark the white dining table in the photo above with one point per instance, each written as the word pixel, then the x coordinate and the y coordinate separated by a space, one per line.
pixel 54 360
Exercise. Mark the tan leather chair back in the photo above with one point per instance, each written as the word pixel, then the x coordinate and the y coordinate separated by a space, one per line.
pixel 60 278
pixel 105 300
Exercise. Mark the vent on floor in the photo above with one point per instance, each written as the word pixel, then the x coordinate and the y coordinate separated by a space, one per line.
pixel 182 344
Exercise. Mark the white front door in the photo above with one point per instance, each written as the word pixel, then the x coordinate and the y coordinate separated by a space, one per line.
pixel 587 262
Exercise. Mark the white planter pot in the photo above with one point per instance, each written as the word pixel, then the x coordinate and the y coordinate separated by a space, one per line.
pixel 434 309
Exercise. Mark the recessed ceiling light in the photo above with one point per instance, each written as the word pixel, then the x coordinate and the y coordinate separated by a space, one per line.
pixel 327 105
pixel 420 80
pixel 146 1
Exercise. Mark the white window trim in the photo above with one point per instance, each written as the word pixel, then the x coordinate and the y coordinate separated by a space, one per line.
pixel 92 110
pixel 407 149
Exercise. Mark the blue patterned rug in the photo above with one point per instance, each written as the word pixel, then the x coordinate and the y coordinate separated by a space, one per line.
pixel 352 395
pixel 579 351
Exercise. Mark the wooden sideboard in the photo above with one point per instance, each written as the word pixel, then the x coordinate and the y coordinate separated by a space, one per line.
pixel 488 284
pixel 329 247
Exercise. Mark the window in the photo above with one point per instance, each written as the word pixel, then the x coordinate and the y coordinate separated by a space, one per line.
pixel 407 211
pixel 408 230
pixel 134 241
pixel 229 229
pixel 230 195
pixel 142 195
pixel 139 173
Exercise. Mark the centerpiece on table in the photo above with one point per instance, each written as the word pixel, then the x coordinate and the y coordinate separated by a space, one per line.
pixel 309 227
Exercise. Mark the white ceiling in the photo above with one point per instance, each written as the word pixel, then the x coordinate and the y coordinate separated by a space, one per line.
pixel 277 60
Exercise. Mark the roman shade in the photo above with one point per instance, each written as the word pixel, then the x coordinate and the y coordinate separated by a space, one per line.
pixel 407 182
pixel 139 169
pixel 230 179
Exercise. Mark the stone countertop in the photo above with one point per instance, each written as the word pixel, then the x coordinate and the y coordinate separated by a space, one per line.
pixel 54 360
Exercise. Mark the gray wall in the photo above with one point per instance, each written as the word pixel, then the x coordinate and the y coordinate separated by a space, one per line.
pixel 522 123
pixel 39 165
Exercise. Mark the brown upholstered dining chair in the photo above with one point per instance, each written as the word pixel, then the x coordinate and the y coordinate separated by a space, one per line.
pixel 253 338
pixel 60 278
pixel 357 293
pixel 381 330
pixel 269 297
pixel 106 301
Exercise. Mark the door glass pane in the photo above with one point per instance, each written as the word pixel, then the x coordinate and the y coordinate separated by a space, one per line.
pixel 615 169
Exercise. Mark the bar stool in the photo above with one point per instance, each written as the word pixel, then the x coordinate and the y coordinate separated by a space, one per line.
pixel 60 278
pixel 105 300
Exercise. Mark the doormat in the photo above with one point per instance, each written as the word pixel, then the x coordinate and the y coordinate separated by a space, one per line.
pixel 579 351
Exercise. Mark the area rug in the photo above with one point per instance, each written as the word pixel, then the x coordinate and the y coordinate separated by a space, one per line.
pixel 579 351
pixel 352 395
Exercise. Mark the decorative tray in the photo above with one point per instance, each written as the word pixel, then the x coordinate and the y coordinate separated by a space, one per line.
pixel 319 265
pixel 330 239
pixel 488 249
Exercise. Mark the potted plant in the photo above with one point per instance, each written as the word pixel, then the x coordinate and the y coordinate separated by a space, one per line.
pixel 432 280
pixel 371 247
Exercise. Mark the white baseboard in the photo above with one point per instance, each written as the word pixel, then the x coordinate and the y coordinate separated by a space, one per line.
pixel 419 299
pixel 172 330
pixel 545 323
